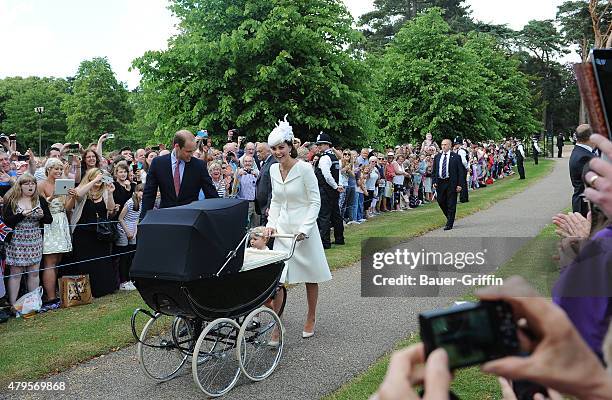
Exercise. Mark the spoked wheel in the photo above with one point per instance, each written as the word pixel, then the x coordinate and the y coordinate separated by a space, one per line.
pixel 282 290
pixel 158 351
pixel 214 364
pixel 260 343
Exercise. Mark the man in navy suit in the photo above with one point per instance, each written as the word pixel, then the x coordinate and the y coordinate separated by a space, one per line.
pixel 582 154
pixel 178 176
pixel 446 180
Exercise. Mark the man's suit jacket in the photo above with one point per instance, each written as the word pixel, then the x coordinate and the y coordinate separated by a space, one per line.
pixel 263 193
pixel 454 171
pixel 160 176
pixel 580 156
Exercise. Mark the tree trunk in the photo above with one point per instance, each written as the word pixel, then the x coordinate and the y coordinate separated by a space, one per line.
pixel 582 113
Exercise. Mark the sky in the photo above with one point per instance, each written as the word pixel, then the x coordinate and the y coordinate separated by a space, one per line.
pixel 51 38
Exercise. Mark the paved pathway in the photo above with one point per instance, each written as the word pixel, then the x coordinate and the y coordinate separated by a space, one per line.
pixel 352 332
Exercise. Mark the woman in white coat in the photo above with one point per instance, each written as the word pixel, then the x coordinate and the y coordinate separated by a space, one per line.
pixel 294 209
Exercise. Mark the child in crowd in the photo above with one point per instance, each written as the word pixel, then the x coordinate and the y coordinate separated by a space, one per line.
pixel 25 211
pixel 126 240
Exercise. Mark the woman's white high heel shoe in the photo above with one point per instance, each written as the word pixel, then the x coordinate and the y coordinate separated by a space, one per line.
pixel 306 335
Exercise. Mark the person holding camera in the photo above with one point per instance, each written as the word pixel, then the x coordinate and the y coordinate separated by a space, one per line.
pixel 91 202
pixel 245 180
pixel 57 240
pixel 559 359
pixel 25 211
pixel 263 193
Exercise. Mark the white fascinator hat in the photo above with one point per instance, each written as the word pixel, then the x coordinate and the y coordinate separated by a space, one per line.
pixel 283 132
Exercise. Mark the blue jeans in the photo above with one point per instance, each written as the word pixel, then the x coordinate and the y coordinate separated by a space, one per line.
pixel 360 214
pixel 349 210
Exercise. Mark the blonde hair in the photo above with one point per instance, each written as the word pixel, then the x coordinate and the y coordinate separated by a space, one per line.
pixel 89 176
pixel 214 165
pixel 258 231
pixel 11 198
pixel 53 163
pixel 138 188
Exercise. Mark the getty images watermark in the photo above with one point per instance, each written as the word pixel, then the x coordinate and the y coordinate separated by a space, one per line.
pixel 424 267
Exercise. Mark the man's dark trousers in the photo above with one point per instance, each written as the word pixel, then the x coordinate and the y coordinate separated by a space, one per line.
pixel 463 196
pixel 329 216
pixel 447 200
pixel 519 165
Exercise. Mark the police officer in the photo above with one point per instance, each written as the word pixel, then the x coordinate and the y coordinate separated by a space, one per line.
pixel 460 149
pixel 327 171
pixel 520 157
pixel 535 147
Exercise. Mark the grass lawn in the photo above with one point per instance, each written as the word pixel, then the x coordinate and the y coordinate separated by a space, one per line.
pixel 534 262
pixel 54 341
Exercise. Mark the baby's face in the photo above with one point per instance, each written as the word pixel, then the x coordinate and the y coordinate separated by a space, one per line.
pixel 258 242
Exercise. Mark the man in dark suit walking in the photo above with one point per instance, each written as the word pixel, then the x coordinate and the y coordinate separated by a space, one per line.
pixel 446 181
pixel 263 193
pixel 560 142
pixel 582 153
pixel 178 176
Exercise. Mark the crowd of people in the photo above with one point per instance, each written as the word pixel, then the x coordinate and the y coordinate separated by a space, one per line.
pixel 567 341
pixel 328 187
pixel 59 234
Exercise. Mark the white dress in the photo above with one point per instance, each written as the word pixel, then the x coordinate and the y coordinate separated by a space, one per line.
pixel 294 209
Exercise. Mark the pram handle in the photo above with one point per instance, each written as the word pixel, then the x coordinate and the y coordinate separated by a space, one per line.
pixel 286 235
pixel 293 236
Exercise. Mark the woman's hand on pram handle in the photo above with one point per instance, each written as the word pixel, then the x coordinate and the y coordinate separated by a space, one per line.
pixel 269 232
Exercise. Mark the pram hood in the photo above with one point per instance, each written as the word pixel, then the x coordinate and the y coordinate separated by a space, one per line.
pixel 190 242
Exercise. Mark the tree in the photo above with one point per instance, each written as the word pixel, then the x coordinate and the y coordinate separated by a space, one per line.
pixel 576 26
pixel 543 42
pixel 432 84
pixel 141 130
pixel 389 16
pixel 510 88
pixel 18 98
pixel 602 23
pixel 98 102
pixel 246 63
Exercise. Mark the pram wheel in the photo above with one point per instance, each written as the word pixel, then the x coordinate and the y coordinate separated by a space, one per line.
pixel 159 349
pixel 283 291
pixel 214 366
pixel 258 353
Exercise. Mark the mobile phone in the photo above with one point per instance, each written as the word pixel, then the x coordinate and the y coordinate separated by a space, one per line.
pixel 202 134
pixel 602 67
pixel 135 168
pixel 107 178
pixel 13 137
pixel 471 333
pixel 110 135
pixel 73 146
pixel 23 157
pixel 155 148
pixel 70 158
